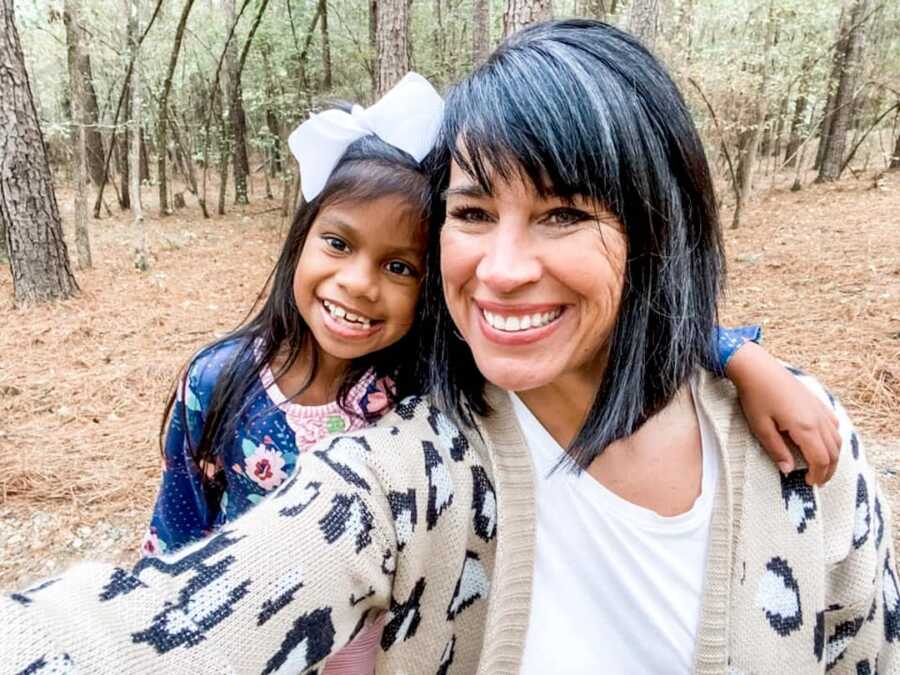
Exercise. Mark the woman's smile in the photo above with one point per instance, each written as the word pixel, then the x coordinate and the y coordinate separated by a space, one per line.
pixel 518 324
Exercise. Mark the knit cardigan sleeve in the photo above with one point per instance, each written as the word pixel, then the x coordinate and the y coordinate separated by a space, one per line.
pixel 277 590
pixel 859 629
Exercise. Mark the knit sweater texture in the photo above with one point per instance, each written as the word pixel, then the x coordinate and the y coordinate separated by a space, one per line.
pixel 436 528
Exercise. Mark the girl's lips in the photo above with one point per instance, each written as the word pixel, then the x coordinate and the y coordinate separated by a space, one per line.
pixel 522 337
pixel 345 329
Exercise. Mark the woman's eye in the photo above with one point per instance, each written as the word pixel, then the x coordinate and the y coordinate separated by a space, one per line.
pixel 469 214
pixel 565 217
pixel 401 268
pixel 336 243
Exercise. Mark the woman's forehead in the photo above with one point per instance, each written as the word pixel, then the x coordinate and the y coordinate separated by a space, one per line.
pixel 513 178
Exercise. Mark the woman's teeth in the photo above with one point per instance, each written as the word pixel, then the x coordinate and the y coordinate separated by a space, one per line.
pixel 343 315
pixel 513 324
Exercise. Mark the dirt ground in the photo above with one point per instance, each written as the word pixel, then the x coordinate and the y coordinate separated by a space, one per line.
pixel 83 382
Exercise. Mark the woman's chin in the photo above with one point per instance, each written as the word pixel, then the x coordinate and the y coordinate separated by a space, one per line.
pixel 513 376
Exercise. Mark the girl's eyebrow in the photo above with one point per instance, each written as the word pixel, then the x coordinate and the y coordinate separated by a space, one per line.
pixel 348 230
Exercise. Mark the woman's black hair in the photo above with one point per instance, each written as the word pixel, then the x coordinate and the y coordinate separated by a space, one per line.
pixel 368 170
pixel 577 107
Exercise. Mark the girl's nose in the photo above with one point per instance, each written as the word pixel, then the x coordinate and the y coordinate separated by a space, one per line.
pixel 358 279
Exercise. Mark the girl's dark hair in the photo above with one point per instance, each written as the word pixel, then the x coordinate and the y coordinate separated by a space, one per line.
pixel 369 169
pixel 578 107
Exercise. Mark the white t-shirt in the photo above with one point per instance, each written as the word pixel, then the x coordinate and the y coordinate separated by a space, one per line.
pixel 617 587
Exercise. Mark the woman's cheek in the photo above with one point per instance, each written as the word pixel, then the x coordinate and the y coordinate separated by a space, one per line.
pixel 459 258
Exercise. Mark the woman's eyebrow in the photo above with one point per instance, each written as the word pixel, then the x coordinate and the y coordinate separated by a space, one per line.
pixel 471 190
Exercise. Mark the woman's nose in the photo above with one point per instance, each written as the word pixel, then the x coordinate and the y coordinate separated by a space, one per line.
pixel 508 262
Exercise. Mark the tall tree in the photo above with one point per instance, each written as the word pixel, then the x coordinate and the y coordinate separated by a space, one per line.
pixel 237 119
pixel 481 31
pixel 597 9
pixel 163 141
pixel 833 158
pixel 74 34
pixel 392 43
pixel 141 255
pixel 799 118
pixel 326 46
pixel 895 156
pixel 643 21
pixel 38 257
pixel 748 142
pixel 521 13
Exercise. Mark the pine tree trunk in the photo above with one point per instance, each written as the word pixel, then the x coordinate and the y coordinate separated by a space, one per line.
pixel 122 145
pixel 74 34
pixel 237 118
pixel 833 157
pixel 596 9
pixel 521 13
pixel 392 43
pixel 895 156
pixel 326 46
pixel 373 45
pixel 837 65
pixel 798 121
pixel 481 31
pixel 750 137
pixel 643 21
pixel 96 156
pixel 137 152
pixel 29 215
pixel 163 141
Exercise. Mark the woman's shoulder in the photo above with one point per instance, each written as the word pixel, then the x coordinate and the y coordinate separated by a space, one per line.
pixel 849 506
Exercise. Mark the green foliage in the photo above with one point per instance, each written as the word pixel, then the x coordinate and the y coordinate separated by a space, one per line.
pixel 716 43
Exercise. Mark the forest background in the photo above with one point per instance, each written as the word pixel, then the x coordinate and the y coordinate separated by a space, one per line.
pixel 145 187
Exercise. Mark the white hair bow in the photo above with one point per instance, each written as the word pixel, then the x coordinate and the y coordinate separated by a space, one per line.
pixel 407 117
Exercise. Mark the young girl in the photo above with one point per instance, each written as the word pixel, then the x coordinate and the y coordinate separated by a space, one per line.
pixel 334 345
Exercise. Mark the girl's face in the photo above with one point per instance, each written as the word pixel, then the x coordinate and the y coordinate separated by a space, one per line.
pixel 533 284
pixel 357 280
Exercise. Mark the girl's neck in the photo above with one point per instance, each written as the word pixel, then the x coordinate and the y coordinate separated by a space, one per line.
pixel 330 372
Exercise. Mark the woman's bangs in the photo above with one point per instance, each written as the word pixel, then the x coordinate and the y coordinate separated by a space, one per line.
pixel 503 128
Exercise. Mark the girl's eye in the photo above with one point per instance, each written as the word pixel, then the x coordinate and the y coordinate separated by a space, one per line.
pixel 470 214
pixel 336 243
pixel 401 268
pixel 566 216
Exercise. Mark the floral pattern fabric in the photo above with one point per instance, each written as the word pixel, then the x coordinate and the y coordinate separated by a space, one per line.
pixel 261 455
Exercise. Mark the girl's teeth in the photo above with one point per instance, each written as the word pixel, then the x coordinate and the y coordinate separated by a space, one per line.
pixel 347 317
pixel 511 324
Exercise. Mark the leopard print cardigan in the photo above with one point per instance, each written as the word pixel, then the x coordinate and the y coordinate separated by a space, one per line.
pixel 418 520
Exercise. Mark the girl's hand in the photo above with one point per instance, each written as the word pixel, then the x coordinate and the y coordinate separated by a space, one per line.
pixel 779 409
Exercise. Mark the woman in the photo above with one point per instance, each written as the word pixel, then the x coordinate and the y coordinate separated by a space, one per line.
pixel 581 246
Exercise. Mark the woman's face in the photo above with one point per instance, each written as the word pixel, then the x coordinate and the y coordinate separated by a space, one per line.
pixel 533 284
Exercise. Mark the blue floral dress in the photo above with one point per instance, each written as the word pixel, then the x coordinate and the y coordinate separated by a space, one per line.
pixel 271 433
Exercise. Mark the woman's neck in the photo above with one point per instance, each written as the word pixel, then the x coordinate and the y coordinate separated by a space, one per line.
pixel 562 406
pixel 323 388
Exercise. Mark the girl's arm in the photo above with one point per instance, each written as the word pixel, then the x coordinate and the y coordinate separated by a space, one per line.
pixel 182 513
pixel 779 410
